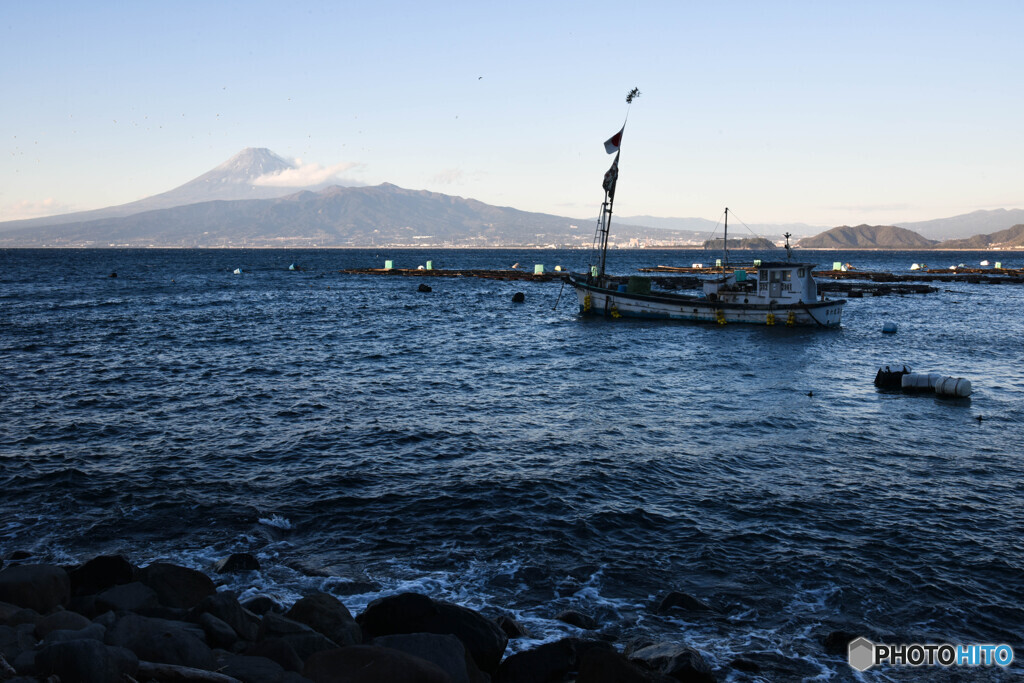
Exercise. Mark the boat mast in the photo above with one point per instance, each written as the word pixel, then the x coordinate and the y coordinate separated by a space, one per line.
pixel 606 210
pixel 725 242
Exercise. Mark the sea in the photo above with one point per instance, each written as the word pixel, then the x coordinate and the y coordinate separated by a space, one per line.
pixel 364 438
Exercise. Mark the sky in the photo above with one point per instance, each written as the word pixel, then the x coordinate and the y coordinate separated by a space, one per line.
pixel 823 113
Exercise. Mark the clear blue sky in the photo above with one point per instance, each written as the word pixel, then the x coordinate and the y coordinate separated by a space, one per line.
pixel 826 113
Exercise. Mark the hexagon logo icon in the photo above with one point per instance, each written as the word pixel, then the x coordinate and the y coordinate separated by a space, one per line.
pixel 862 654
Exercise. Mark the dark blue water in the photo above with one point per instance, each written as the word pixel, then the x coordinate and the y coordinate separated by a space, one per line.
pixel 361 437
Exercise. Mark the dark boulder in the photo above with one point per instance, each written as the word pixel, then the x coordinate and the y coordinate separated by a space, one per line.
pixel 127 597
pixel 518 298
pixel 511 627
pixel 14 641
pixel 177 586
pixel 225 606
pixel 41 587
pixel 424 288
pixel 218 633
pixel 90 632
pixel 302 639
pixel 678 661
pixel 548 662
pixel 683 601
pixel 369 664
pixel 326 614
pixel 251 669
pixel 838 642
pixel 612 667
pixel 413 613
pixel 237 562
pixel 60 620
pixel 577 619
pixel 85 661
pixel 445 651
pixel 162 641
pixel 101 573
pixel 277 650
pixel 261 604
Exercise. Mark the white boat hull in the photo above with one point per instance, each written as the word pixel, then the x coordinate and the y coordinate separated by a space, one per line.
pixel 656 305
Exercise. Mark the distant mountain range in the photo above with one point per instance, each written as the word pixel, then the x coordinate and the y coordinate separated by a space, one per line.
pixel 250 200
pixel 891 237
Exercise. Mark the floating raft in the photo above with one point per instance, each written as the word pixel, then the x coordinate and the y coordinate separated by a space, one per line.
pixel 486 274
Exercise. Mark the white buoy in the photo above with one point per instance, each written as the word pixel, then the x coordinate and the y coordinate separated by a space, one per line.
pixel 238 271
pixel 953 386
pixel 889 328
pixel 291 267
pixel 916 266
pixel 984 263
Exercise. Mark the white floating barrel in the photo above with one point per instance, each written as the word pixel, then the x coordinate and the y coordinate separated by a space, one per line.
pixel 920 381
pixel 953 386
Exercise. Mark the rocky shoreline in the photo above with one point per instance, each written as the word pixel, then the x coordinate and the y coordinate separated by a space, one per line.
pixel 109 620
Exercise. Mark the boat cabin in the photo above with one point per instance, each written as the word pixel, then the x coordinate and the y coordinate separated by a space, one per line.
pixel 771 283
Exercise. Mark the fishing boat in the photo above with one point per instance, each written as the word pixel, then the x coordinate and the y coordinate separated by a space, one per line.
pixel 770 293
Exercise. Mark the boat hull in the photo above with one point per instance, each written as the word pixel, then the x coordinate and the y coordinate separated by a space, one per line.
pixel 610 303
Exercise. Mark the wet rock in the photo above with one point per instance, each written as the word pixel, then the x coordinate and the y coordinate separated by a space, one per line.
pixel 511 627
pixel 445 651
pixel 90 632
pixel 277 650
pixel 413 613
pixel 577 619
pixel 518 298
pixel 158 640
pixel 424 288
pixel 7 610
pixel 548 662
pixel 772 666
pixel 369 664
pixel 177 586
pixel 251 669
pixel 837 642
pixel 61 620
pixel 218 632
pixel 683 601
pixel 745 665
pixel 261 604
pixel 678 661
pixel 127 597
pixel 302 639
pixel 326 614
pixel 612 667
pixel 41 587
pixel 237 562
pixel 225 606
pixel 14 641
pixel 101 573
pixel 86 661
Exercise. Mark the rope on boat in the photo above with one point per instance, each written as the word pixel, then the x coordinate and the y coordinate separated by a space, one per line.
pixel 811 314
pixel 559 296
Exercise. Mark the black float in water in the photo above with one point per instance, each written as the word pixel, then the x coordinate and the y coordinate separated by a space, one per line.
pixel 518 298
pixel 890 379
pixel 424 288
pixel 113 275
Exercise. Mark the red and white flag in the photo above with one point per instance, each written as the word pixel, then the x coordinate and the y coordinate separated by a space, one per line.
pixel 612 144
